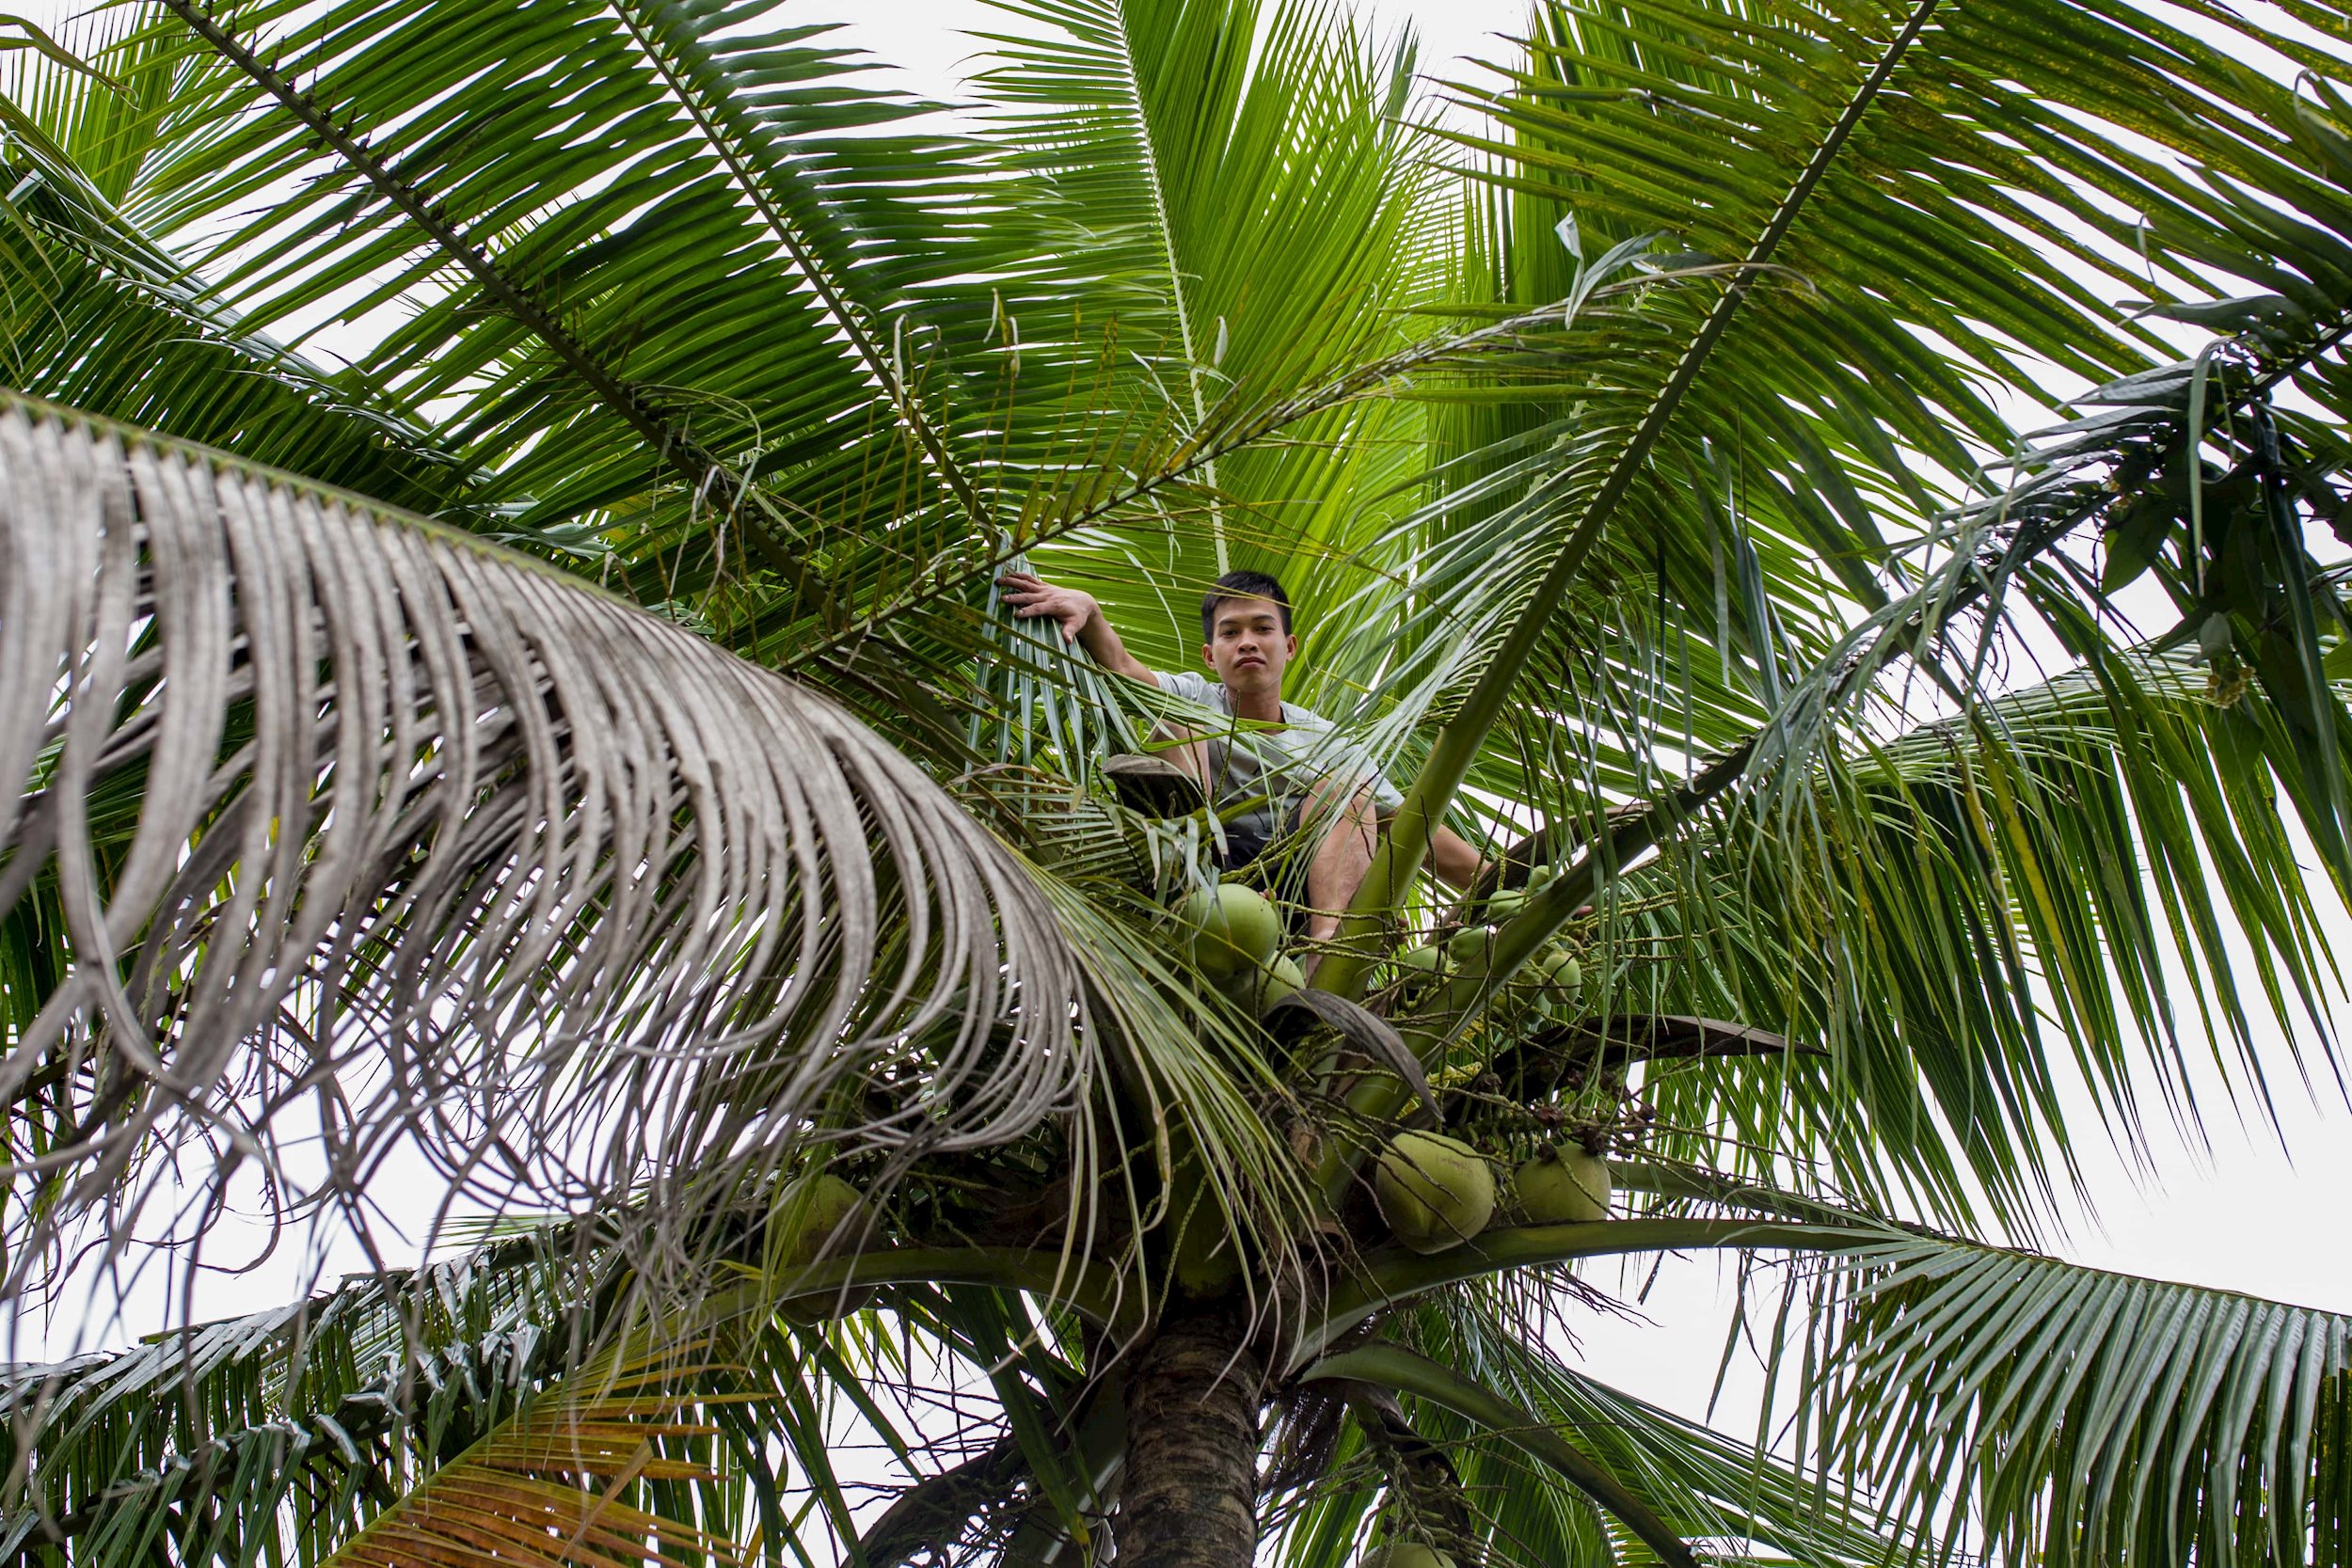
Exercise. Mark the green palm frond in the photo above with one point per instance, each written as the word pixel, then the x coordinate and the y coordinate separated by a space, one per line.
pixel 107 132
pixel 1829 142
pixel 842 223
pixel 1036 1477
pixel 1974 1391
pixel 348 1425
pixel 1697 1487
pixel 1988 856
pixel 1646 494
pixel 646 230
pixel 298 1412
pixel 1714 1489
pixel 1450 1390
pixel 1929 911
pixel 2103 1418
pixel 1991 875
pixel 1238 180
pixel 862 347
pixel 2000 1396
pixel 1938 884
pixel 104 317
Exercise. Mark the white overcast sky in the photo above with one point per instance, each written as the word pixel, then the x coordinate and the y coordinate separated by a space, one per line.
pixel 2255 1211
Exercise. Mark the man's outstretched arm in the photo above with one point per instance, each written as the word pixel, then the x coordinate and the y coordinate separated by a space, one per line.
pixel 1454 859
pixel 1082 621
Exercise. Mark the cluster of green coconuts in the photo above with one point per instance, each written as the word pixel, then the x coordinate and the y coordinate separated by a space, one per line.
pixel 1435 1192
pixel 1234 938
pixel 1551 977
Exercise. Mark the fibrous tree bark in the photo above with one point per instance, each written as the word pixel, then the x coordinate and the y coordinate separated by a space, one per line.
pixel 1190 1495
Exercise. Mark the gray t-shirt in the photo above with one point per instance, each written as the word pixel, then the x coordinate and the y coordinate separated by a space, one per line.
pixel 1276 769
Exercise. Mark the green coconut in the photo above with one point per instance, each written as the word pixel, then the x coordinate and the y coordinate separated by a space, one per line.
pixel 1231 928
pixel 1560 970
pixel 1552 975
pixel 1417 969
pixel 806 1217
pixel 1562 1187
pixel 1469 948
pixel 1417 966
pixel 1257 988
pixel 1207 1256
pixel 1405 1554
pixel 1287 979
pixel 1513 900
pixel 1434 1192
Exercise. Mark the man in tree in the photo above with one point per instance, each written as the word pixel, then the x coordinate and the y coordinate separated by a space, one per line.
pixel 1272 768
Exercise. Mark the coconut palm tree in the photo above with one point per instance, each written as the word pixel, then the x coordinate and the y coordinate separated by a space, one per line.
pixel 499 509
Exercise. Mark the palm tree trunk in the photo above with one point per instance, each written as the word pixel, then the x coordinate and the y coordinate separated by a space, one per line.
pixel 1190 1498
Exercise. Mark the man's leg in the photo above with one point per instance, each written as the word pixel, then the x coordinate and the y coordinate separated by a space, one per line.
pixel 1343 814
pixel 1189 751
pixel 1170 780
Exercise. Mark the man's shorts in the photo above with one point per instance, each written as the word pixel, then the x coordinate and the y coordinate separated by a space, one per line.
pixel 1274 864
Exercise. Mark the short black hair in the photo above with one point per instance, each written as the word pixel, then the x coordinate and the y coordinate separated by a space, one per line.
pixel 1241 585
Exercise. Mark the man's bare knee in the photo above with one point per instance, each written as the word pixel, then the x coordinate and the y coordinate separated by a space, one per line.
pixel 1333 805
pixel 1340 817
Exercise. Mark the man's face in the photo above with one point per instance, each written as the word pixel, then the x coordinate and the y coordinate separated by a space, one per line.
pixel 1247 646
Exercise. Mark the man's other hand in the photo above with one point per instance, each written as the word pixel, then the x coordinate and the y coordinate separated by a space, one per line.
pixel 1029 595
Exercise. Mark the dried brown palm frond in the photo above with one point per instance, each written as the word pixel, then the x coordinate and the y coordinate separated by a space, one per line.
pixel 565 1481
pixel 344 832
